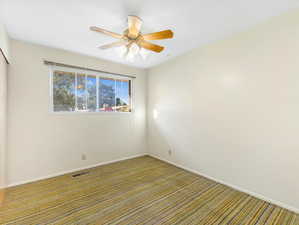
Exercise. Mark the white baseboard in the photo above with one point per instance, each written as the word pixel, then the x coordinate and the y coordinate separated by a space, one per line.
pixel 259 196
pixel 74 170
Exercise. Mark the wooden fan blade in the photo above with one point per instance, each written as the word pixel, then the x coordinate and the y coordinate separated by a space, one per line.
pixel 165 34
pixel 134 24
pixel 109 33
pixel 114 45
pixel 150 46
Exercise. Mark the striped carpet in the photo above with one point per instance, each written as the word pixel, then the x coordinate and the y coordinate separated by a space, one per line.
pixel 143 190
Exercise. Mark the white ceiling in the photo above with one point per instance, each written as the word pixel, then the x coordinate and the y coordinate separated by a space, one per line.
pixel 65 23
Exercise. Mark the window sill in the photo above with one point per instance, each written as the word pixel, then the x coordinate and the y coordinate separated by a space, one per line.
pixel 91 113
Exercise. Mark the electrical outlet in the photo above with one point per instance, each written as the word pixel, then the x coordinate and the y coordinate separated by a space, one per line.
pixel 169 152
pixel 83 157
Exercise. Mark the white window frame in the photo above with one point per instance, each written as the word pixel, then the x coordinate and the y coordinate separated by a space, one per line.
pixel 91 73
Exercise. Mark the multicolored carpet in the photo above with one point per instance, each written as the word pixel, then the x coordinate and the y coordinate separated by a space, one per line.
pixel 143 190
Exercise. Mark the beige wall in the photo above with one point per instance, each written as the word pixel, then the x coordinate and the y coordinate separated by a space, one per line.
pixel 3 121
pixel 42 144
pixel 230 110
pixel 4 45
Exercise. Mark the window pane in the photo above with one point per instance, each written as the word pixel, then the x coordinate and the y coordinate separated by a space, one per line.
pixel 63 91
pixel 91 93
pixel 106 94
pixel 123 98
pixel 81 92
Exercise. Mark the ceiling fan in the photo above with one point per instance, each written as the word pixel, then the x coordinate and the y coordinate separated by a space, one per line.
pixel 132 41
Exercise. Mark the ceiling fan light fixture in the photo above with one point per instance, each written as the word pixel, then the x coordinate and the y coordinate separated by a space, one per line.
pixel 144 53
pixel 134 48
pixel 132 42
pixel 122 51
pixel 132 52
pixel 130 56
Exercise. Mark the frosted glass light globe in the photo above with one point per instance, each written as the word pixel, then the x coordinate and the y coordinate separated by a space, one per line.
pixel 144 53
pixel 130 56
pixel 121 51
pixel 134 49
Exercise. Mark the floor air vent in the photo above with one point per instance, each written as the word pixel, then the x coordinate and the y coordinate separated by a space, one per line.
pixel 80 174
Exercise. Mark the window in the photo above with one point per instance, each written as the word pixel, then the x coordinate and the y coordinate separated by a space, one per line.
pixel 84 92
